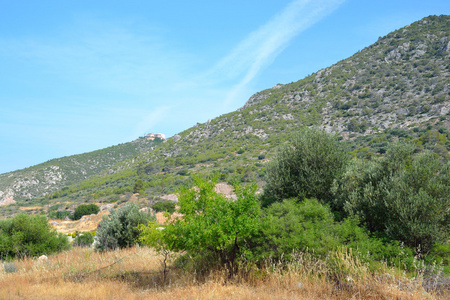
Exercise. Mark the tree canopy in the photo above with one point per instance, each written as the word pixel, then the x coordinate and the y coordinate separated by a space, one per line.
pixel 305 167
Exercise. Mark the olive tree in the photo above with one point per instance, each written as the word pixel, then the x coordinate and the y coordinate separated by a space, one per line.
pixel 404 196
pixel 119 229
pixel 305 168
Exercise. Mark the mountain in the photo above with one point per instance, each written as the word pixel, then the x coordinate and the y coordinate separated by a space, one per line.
pixel 58 173
pixel 398 87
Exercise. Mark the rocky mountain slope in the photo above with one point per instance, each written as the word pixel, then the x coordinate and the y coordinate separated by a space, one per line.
pixel 400 81
pixel 57 173
pixel 398 87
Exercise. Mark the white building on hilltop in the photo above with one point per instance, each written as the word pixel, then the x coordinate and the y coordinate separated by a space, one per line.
pixel 152 136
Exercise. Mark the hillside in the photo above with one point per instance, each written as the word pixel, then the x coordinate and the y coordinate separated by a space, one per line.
pixel 55 174
pixel 398 87
pixel 400 82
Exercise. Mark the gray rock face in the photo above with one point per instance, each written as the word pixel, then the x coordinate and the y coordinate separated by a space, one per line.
pixel 7 197
pixel 176 138
pixel 255 99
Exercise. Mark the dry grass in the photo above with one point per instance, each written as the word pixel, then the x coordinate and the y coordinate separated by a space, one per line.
pixel 85 224
pixel 30 207
pixel 136 274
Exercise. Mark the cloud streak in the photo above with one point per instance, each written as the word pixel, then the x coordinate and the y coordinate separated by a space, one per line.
pixel 262 46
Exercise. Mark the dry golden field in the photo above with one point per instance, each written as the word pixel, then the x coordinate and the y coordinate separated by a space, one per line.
pixel 136 273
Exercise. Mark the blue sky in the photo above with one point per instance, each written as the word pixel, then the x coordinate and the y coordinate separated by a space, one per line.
pixel 78 75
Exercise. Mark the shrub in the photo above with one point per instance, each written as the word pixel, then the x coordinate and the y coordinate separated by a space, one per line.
pixel 308 226
pixel 305 168
pixel 213 229
pixel 183 172
pixel 85 209
pixel 119 229
pixel 25 235
pixel 84 240
pixel 164 207
pixel 289 226
pixel 152 235
pixel 139 187
pixel 404 196
pixel 441 255
pixel 9 267
pixel 60 214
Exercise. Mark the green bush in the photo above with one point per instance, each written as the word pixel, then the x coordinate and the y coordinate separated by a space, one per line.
pixel 60 214
pixel 440 253
pixel 164 207
pixel 305 168
pixel 290 226
pixel 213 230
pixel 308 226
pixel 405 197
pixel 25 235
pixel 9 267
pixel 84 240
pixel 119 228
pixel 183 172
pixel 139 187
pixel 84 210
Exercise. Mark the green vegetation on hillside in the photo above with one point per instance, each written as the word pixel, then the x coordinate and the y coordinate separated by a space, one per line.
pixel 53 177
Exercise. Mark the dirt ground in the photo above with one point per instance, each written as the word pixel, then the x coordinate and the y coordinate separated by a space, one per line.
pixel 86 223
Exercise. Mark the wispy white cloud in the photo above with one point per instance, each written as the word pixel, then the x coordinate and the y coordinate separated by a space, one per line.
pixel 262 46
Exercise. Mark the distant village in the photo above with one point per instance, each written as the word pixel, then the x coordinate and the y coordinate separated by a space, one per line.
pixel 152 136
